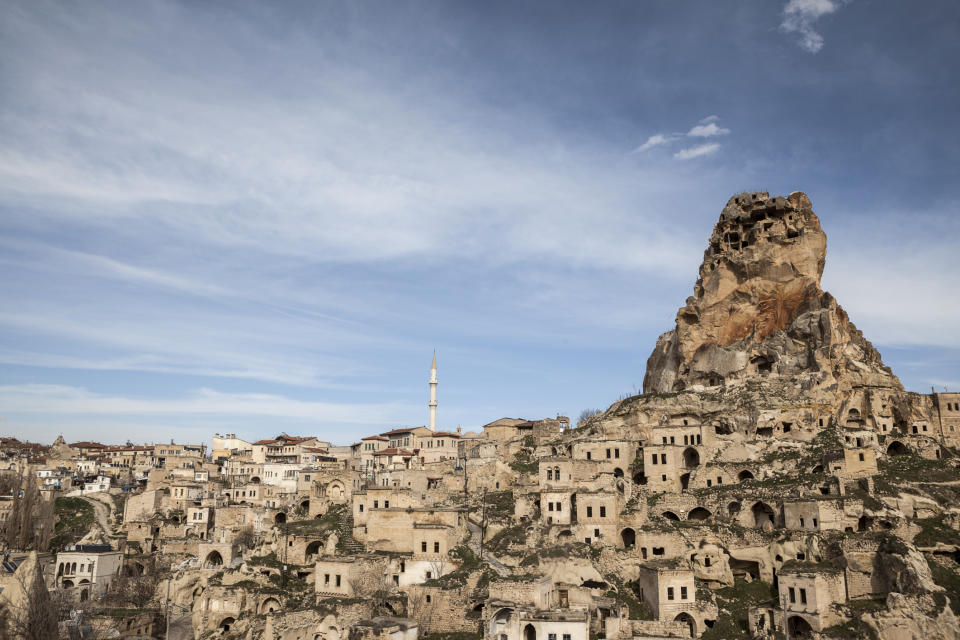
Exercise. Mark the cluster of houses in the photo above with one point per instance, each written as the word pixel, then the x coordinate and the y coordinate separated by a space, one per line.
pixel 522 530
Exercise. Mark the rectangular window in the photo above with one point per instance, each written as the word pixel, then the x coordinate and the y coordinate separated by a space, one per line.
pixel 566 636
pixel 860 455
pixel 669 593
pixel 654 459
pixel 376 504
pixel 801 523
pixel 549 506
pixel 803 596
pixel 361 508
pixel 338 579
pixel 589 512
pixel 672 440
pixel 436 547
pixel 386 504
pixel 719 480
pixel 616 453
pixel 603 512
pixel 326 578
pixel 552 636
pixel 683 593
pixel 663 458
pixel 793 595
pixel 423 547
pixel 608 454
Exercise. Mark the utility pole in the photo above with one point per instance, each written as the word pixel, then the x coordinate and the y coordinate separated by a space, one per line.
pixel 166 614
pixel 483 521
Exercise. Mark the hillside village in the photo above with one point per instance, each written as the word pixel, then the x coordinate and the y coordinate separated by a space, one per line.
pixel 773 480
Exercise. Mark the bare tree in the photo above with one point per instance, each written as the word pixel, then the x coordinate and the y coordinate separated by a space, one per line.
pixel 246 537
pixel 34 617
pixel 423 608
pixel 372 581
pixel 586 414
pixel 30 523
pixel 137 590
pixel 439 566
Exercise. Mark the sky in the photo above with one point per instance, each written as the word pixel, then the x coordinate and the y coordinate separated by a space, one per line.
pixel 258 218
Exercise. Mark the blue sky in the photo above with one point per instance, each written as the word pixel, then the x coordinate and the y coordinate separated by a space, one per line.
pixel 263 217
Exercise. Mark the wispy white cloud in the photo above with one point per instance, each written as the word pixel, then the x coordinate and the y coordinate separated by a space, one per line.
pixel 697 152
pixel 799 17
pixel 654 141
pixel 62 399
pixel 707 131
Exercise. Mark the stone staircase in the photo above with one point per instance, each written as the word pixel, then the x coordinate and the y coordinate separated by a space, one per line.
pixel 348 544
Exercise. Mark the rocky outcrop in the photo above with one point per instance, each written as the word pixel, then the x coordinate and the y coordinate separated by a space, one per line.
pixel 758 309
pixel 914 618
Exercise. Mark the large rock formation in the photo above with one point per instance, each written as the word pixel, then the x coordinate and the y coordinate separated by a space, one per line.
pixel 758 309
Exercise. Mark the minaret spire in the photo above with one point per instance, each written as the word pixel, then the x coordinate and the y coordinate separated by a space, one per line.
pixel 433 392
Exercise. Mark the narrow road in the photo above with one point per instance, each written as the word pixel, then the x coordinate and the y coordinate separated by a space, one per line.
pixel 496 565
pixel 102 512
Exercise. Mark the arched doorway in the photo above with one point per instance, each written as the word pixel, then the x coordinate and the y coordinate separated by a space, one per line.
pixel 733 508
pixel 226 623
pixel 691 458
pixel 629 538
pixel 798 627
pixel 699 514
pixel 280 518
pixel 305 504
pixel 669 515
pixel 313 550
pixel 254 480
pixel 270 605
pixel 498 623
pixel 684 482
pixel 214 559
pixel 897 448
pixel 744 475
pixel 764 517
pixel 618 473
pixel 688 619
pixel 529 633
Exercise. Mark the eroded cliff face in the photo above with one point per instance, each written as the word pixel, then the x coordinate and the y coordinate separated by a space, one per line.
pixel 758 309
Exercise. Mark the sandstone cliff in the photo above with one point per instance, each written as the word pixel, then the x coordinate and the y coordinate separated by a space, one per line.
pixel 758 309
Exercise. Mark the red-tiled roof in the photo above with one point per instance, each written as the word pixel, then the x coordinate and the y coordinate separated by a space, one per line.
pixel 375 438
pixel 393 451
pixel 287 439
pixel 88 445
pixel 447 434
pixel 394 432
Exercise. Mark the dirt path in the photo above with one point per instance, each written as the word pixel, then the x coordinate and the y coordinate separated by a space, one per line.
pixel 102 512
pixel 496 565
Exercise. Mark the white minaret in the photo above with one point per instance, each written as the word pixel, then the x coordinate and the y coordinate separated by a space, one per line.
pixel 433 393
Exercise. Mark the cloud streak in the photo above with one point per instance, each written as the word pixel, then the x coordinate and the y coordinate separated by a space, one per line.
pixel 698 151
pixel 799 17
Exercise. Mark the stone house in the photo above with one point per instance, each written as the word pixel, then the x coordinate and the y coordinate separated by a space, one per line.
pixel 442 445
pixel 807 593
pixel 90 568
pixel 668 588
pixel 597 516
